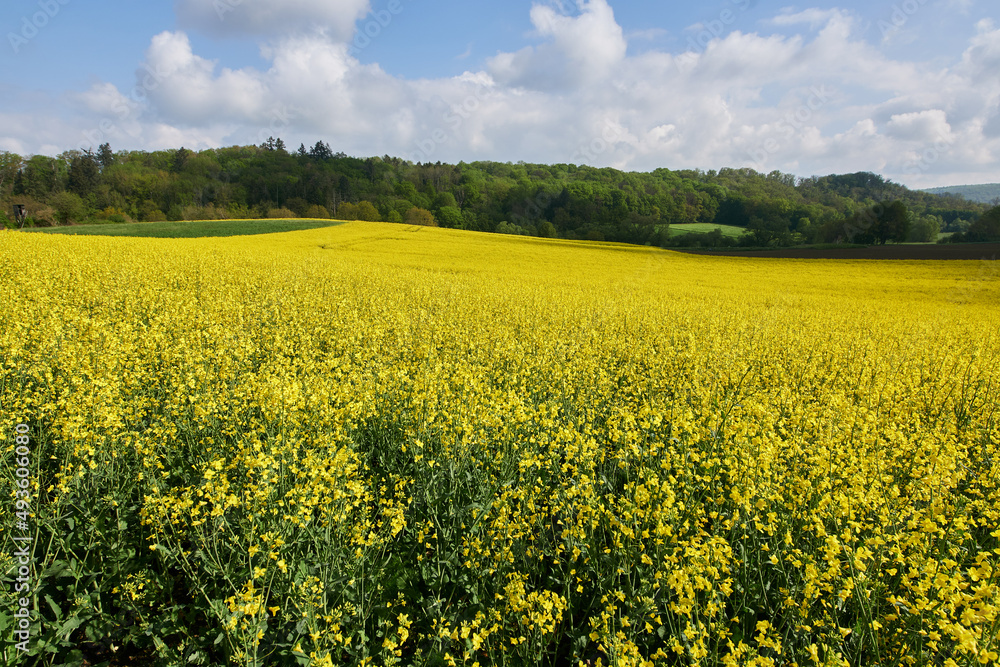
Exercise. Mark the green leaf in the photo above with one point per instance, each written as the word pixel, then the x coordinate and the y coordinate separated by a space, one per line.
pixel 197 658
pixel 69 626
pixel 58 569
pixel 56 609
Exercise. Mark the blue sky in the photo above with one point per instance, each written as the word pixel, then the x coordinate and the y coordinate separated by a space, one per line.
pixel 910 89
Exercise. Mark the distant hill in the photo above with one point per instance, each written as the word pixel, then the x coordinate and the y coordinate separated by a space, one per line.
pixel 984 194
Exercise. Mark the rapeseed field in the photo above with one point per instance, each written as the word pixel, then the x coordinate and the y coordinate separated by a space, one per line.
pixel 377 444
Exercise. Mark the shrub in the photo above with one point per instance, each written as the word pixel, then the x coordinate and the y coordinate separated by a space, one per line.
pixel 240 211
pixel 300 206
pixel 112 214
pixel 38 214
pixel 547 230
pixel 316 211
pixel 148 211
pixel 363 210
pixel 367 211
pixel 68 208
pixel 420 216
pixel 277 213
pixel 510 228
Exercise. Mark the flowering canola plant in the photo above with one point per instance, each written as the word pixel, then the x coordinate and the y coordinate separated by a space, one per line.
pixel 381 444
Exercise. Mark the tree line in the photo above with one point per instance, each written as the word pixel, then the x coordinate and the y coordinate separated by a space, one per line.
pixel 561 200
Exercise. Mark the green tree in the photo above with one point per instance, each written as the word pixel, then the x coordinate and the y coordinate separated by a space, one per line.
pixel 804 230
pixel 367 211
pixel 892 224
pixel 419 216
pixel 321 151
pixel 299 205
pixel 444 199
pixel 546 229
pixel 40 176
pixel 105 156
pixel 925 229
pixel 450 216
pixel 180 159
pixel 986 229
pixel 768 231
pixel 69 207
pixel 317 211
pixel 347 211
pixel 10 166
pixel 84 174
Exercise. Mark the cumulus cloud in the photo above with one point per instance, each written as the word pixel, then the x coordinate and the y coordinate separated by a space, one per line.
pixel 991 127
pixel 102 98
pixel 190 92
pixel 920 126
pixel 814 101
pixel 982 59
pixel 579 49
pixel 265 17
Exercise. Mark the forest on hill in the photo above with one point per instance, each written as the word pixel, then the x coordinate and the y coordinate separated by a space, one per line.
pixel 560 200
pixel 985 193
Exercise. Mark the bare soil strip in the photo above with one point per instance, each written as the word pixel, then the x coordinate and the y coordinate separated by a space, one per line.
pixel 970 251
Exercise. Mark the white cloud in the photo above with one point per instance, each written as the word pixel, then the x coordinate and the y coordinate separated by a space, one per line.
pixel 814 17
pixel 580 49
pixel 819 99
pixel 991 127
pixel 102 98
pixel 920 126
pixel 982 59
pixel 335 18
pixel 190 92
